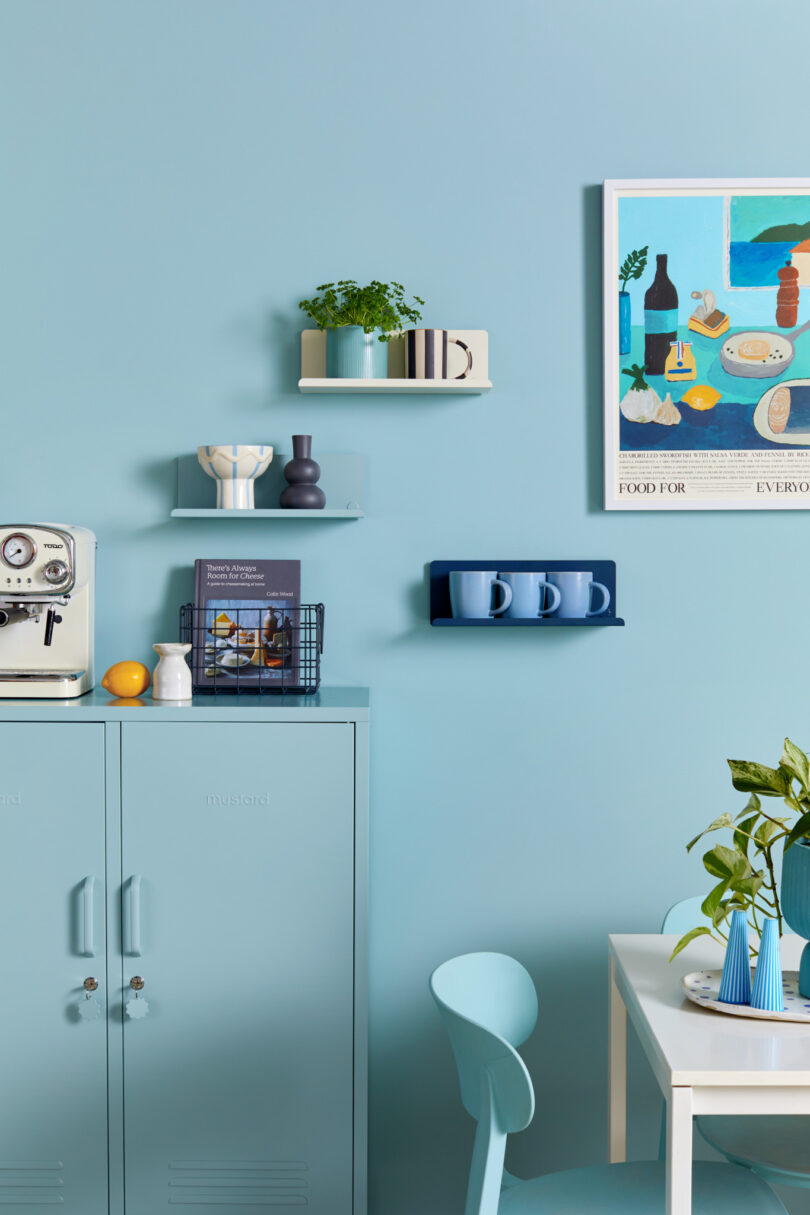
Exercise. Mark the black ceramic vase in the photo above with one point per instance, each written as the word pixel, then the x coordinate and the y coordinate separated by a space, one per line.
pixel 301 473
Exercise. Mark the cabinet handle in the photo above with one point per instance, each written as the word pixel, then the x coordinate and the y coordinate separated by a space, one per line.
pixel 132 916
pixel 88 917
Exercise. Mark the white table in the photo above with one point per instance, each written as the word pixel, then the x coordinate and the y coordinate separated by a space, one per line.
pixel 705 1062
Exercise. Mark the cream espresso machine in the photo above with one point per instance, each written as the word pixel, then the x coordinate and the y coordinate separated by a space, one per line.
pixel 47 582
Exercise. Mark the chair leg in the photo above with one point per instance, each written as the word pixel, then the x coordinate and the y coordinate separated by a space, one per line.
pixel 486 1169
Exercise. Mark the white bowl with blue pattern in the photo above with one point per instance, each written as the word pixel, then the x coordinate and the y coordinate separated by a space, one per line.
pixel 235 467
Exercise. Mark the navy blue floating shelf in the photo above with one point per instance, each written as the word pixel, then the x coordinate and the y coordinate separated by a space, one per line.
pixel 441 613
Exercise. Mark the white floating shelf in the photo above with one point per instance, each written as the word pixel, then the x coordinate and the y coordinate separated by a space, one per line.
pixel 450 387
pixel 314 378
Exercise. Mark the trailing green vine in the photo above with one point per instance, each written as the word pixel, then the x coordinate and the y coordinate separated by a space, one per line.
pixel 746 871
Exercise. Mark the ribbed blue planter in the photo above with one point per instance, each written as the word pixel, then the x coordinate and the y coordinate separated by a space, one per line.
pixel 794 895
pixel 766 991
pixel 624 322
pixel 735 985
pixel 353 354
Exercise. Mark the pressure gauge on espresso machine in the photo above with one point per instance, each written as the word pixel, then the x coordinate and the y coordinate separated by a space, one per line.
pixel 18 550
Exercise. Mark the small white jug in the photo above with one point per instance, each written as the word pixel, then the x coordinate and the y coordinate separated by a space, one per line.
pixel 172 677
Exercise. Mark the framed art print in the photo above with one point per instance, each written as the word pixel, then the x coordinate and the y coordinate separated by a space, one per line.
pixel 707 344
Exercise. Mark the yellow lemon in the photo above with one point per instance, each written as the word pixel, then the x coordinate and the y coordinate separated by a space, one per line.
pixel 127 678
pixel 701 397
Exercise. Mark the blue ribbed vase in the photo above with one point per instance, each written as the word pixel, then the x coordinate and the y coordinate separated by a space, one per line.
pixel 767 990
pixel 794 895
pixel 735 986
pixel 353 354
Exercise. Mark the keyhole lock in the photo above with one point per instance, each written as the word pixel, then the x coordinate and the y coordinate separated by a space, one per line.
pixel 136 1007
pixel 89 1009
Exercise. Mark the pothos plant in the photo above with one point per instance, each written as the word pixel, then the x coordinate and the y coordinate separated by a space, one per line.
pixel 378 306
pixel 744 873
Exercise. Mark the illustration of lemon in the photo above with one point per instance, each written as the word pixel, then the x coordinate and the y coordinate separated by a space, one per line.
pixel 701 397
pixel 127 678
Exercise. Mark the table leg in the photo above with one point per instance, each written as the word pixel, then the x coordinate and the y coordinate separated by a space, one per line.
pixel 679 1151
pixel 617 1076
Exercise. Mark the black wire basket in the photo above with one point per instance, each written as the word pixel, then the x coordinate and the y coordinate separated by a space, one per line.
pixel 242 650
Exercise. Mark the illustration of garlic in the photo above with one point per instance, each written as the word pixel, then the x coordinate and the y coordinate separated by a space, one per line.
pixel 640 403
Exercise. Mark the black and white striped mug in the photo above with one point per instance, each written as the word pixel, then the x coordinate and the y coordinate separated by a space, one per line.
pixel 426 355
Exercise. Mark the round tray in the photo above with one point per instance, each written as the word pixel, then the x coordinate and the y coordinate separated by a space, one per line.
pixel 703 987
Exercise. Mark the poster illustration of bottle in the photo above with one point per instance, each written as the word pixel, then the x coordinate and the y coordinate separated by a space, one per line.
pixel 707 344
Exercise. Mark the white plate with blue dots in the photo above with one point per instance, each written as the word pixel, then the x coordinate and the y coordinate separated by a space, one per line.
pixel 703 987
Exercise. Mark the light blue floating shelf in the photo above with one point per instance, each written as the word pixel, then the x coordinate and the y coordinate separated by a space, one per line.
pixel 212 512
pixel 341 480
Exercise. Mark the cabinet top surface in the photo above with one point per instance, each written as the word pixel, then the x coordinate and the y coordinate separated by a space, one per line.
pixel 328 704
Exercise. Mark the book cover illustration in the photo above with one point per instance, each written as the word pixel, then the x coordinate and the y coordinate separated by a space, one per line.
pixel 245 623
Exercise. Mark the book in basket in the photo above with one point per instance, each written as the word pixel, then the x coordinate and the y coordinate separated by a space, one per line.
pixel 245 627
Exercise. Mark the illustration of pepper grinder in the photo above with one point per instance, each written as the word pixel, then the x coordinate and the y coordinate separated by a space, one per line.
pixel 787 297
pixel 302 473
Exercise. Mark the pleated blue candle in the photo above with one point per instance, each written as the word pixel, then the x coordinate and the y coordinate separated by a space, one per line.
pixel 767 990
pixel 735 985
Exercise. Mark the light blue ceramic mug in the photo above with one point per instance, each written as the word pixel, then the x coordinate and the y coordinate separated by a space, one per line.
pixel 532 595
pixel 471 593
pixel 576 589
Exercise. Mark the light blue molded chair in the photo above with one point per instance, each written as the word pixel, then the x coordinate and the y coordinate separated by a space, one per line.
pixel 776 1146
pixel 489 1007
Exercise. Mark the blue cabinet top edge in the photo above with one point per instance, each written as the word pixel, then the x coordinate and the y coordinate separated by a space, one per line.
pixel 328 705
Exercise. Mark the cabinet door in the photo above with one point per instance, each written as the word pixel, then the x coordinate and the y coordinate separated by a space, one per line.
pixel 238 1081
pixel 53 1062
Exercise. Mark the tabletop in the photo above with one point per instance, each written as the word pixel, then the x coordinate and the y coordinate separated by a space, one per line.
pixel 688 1045
pixel 729 426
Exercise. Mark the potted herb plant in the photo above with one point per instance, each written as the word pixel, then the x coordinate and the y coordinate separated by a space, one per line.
pixel 745 873
pixel 633 267
pixel 359 322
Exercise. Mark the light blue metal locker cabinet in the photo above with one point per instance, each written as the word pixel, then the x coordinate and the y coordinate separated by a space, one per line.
pixel 215 853
pixel 238 916
pixel 53 1061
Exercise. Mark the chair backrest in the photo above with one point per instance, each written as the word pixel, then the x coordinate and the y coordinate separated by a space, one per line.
pixel 488 1004
pixel 684 915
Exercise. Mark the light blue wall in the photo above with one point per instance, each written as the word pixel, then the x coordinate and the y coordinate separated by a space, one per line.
pixel 177 175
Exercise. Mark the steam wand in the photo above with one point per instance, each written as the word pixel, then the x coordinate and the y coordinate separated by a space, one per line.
pixel 51 619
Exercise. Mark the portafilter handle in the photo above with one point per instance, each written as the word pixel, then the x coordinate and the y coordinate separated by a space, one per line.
pixel 11 615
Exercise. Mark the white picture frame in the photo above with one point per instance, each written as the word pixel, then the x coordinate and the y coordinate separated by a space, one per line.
pixel 723 454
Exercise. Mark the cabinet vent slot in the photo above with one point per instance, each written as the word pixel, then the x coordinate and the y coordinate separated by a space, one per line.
pixel 30 1182
pixel 257 1183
